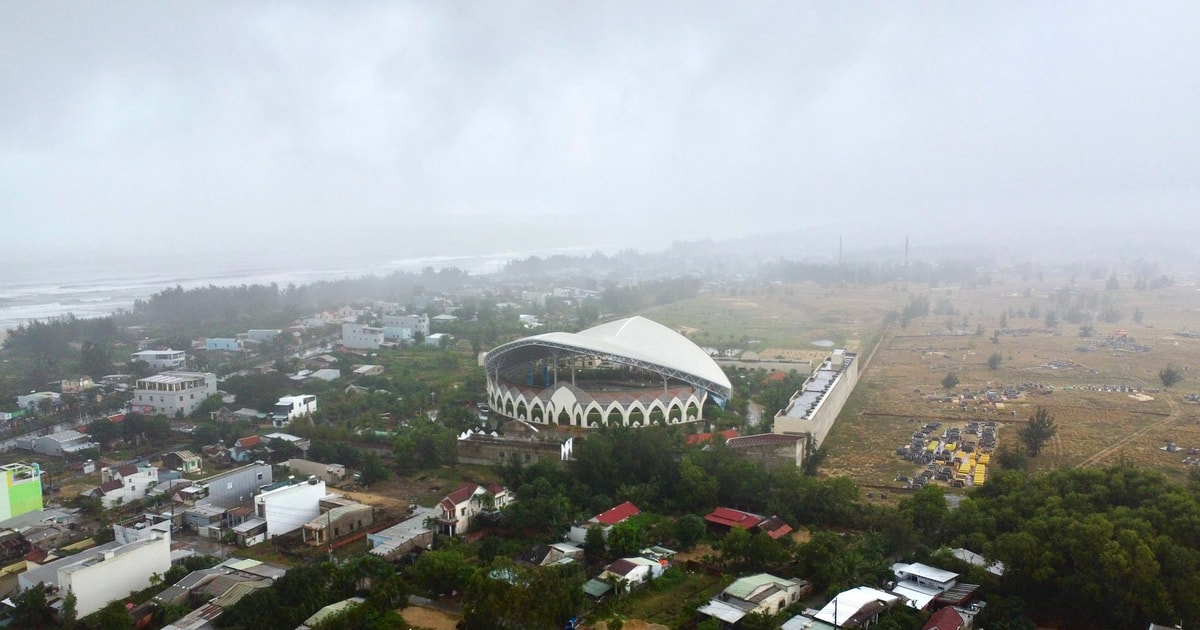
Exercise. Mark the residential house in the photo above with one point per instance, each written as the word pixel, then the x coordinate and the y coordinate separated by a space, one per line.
pixel 128 486
pixel 288 505
pixel 630 573
pixel 247 449
pixel 368 370
pixel 62 443
pixel 462 509
pixel 141 527
pixel 604 521
pixel 77 385
pixel 338 518
pixel 361 337
pixel 326 374
pixel 541 555
pixel 20 489
pixel 945 619
pixel 857 608
pixel 173 393
pixel 413 323
pixel 727 518
pixel 185 462
pixel 222 344
pixel 438 340
pixel 762 593
pixel 330 473
pixel 919 585
pixel 291 407
pixel 263 335
pixel 38 400
pixel 412 533
pixel 300 443
pixel 331 610
pixel 161 359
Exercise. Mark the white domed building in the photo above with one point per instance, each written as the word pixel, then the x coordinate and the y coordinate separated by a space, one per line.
pixel 630 372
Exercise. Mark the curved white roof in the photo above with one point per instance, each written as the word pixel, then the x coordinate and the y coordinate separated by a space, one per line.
pixel 634 340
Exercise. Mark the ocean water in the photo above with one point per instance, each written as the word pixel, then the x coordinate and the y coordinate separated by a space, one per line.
pixel 97 288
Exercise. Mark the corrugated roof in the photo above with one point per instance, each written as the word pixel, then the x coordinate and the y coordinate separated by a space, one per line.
pixel 617 514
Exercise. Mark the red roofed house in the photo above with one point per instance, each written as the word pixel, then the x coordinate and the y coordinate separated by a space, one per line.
pixel 243 448
pixel 945 619
pixel 730 519
pixel 461 509
pixel 726 517
pixel 700 438
pixel 616 515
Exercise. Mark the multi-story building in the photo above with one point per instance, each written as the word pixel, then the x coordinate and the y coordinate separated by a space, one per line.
pixel 290 505
pixel 360 337
pixel 462 509
pixel 98 578
pixel 174 393
pixel 161 359
pixel 20 489
pixel 291 407
pixel 414 323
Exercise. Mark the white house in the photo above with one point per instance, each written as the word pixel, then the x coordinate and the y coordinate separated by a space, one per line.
pixel 98 578
pixel 173 393
pixel 360 337
pixel 289 506
pixel 62 443
pixel 633 572
pixel 414 323
pixel 762 593
pixel 438 340
pixel 132 487
pixel 262 335
pixel 857 607
pixel 460 510
pixel 291 407
pixel 33 402
pixel 161 359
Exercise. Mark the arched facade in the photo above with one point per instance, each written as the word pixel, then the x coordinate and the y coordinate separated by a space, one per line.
pixel 631 372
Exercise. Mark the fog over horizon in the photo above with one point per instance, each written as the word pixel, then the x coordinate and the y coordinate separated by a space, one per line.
pixel 365 130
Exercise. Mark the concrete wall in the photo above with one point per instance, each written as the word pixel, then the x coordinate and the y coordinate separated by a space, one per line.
pixel 238 486
pixel 821 420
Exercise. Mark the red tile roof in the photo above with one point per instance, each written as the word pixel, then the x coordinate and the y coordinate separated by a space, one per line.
pixel 37 555
pixel 461 495
pixel 944 619
pixel 248 442
pixel 699 438
pixel 617 514
pixel 733 518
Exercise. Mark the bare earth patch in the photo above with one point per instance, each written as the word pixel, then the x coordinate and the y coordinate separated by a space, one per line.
pixel 431 619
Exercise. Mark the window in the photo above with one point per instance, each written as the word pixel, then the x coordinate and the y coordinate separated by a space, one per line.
pixel 260 476
pixel 229 486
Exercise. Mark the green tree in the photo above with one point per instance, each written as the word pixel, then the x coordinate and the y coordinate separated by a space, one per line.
pixel 1040 429
pixel 31 610
pixel 1169 376
pixel 950 381
pixel 114 616
pixel 994 361
pixel 440 572
pixel 372 469
pixel 689 529
pixel 627 537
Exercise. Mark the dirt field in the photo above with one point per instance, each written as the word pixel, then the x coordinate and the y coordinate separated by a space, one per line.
pixel 429 619
pixel 1096 427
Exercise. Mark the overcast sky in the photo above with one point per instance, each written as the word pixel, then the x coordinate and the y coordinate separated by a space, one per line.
pixel 454 127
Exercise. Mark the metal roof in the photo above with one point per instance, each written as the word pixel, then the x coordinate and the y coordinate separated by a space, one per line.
pixel 634 341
